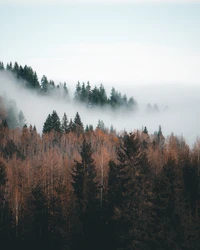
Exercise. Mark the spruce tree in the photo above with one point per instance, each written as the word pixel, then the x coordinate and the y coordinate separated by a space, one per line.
pixel 52 123
pixel 77 94
pixel 65 125
pixel 47 127
pixel 167 206
pixel 77 124
pixel 55 122
pixel 44 84
pixel 1 66
pixel 85 189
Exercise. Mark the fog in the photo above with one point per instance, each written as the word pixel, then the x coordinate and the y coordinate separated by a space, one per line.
pixel 182 116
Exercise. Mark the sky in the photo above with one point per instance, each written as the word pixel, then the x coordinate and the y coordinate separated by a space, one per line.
pixel 148 49
pixel 110 42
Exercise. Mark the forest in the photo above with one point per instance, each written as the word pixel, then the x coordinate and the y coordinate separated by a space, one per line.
pixel 83 188
pixel 84 93
pixel 75 186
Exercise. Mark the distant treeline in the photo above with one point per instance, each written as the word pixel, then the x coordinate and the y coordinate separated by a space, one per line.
pixel 84 93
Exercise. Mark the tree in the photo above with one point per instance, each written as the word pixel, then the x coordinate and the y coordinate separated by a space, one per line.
pixel 167 206
pixel 35 82
pixel 52 123
pixel 55 122
pixel 71 125
pixel 9 66
pixel 84 178
pixel 47 127
pixel 77 124
pixel 84 94
pixel 88 89
pixel 101 125
pixel 129 196
pixel 65 125
pixel 1 66
pixel 145 131
pixel 119 175
pixel 77 94
pixel 103 96
pixel 44 83
pixel 85 189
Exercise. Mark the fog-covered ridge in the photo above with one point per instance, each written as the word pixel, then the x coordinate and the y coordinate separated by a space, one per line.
pixel 176 105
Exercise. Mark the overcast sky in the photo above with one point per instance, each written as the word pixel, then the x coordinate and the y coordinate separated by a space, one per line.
pixel 104 41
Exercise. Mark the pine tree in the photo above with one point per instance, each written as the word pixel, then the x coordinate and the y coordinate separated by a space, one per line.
pixel 85 189
pixel 88 89
pixel 101 125
pixel 47 127
pixel 84 93
pixel 77 124
pixel 77 94
pixel 71 125
pixel 84 178
pixel 52 123
pixel 55 122
pixel 103 96
pixel 44 84
pixel 168 195
pixel 145 131
pixel 1 66
pixel 129 196
pixel 65 125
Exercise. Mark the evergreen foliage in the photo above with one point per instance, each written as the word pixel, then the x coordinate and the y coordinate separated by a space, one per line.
pixel 77 124
pixel 52 123
pixel 84 94
pixel 65 125
pixel 85 189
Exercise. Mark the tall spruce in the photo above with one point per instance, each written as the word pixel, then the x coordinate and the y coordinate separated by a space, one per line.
pixel 65 124
pixel 85 189
pixel 77 124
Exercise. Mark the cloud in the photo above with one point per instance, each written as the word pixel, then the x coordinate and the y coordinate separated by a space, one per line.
pixel 183 116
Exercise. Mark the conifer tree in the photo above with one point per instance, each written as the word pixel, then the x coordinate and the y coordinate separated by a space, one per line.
pixel 65 125
pixel 168 197
pixel 145 131
pixel 77 94
pixel 85 189
pixel 1 66
pixel 44 83
pixel 55 122
pixel 101 125
pixel 47 127
pixel 77 124
pixel 52 123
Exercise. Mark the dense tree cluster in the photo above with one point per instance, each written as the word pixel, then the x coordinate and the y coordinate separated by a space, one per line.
pixel 83 93
pixel 98 97
pixel 75 188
